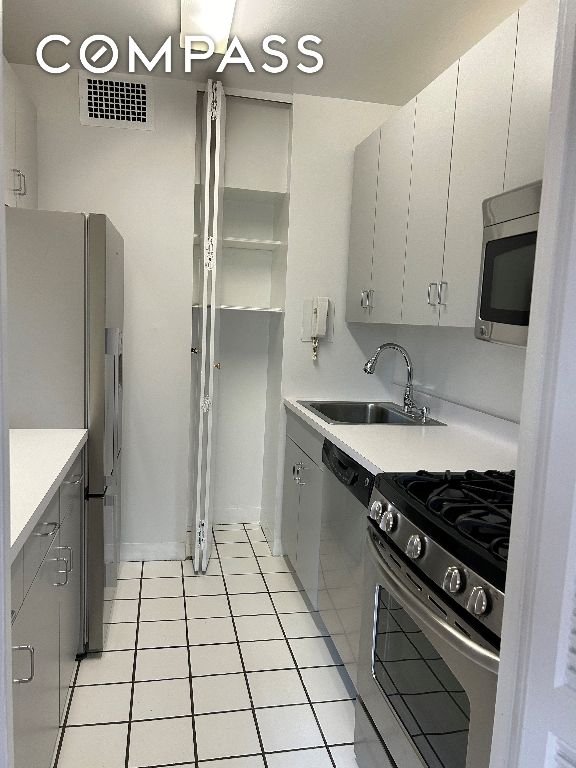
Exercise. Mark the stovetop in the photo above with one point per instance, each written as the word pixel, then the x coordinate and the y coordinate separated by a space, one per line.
pixel 467 513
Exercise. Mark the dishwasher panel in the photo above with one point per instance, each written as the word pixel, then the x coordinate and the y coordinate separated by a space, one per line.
pixel 347 491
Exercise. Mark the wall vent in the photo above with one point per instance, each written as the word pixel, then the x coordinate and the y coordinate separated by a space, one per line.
pixel 124 102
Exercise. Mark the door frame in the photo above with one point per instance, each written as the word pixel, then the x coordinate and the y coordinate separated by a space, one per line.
pixel 6 740
pixel 542 562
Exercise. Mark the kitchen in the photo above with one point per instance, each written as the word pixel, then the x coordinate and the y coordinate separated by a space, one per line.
pixel 297 309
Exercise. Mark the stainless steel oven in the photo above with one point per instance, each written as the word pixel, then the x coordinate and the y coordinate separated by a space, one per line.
pixel 426 676
pixel 507 271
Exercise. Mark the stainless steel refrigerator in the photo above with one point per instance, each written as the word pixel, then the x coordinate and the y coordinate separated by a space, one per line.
pixel 65 322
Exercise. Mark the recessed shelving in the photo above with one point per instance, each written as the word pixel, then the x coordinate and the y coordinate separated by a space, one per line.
pixel 249 244
pixel 277 310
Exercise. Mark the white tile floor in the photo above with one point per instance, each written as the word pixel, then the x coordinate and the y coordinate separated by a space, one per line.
pixel 227 670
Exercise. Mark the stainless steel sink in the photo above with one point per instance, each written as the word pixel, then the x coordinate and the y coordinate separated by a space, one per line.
pixel 343 412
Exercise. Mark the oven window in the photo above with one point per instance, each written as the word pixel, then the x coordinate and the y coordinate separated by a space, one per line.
pixel 507 279
pixel 427 698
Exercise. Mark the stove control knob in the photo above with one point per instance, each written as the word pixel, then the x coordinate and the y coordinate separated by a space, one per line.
pixel 389 520
pixel 478 601
pixel 453 580
pixel 376 511
pixel 415 547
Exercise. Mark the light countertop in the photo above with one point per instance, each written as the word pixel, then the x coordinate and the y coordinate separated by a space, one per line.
pixel 395 448
pixel 39 462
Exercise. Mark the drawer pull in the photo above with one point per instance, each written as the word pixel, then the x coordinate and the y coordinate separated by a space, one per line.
pixel 47 533
pixel 74 480
pixel 65 572
pixel 30 649
pixel 70 561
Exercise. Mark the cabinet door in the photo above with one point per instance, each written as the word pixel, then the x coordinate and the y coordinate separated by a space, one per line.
pixel 291 501
pixel 69 548
pixel 26 149
pixel 478 165
pixel 36 702
pixel 537 25
pixel 363 212
pixel 9 134
pixel 435 108
pixel 392 215
pixel 309 524
pixel 40 540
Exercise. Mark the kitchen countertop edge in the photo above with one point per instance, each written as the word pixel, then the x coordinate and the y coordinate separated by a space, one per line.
pixel 68 443
pixel 504 452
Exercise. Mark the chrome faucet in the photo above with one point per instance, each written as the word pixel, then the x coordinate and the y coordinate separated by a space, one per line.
pixel 410 406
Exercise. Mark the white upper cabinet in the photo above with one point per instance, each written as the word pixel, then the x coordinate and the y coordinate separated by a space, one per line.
pixel 10 182
pixel 392 207
pixel 257 145
pixel 537 25
pixel 435 108
pixel 363 214
pixel 478 165
pixel 20 144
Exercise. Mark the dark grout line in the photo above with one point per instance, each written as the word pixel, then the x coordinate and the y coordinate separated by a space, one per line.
pixel 66 714
pixel 190 683
pixel 133 682
pixel 246 683
pixel 300 674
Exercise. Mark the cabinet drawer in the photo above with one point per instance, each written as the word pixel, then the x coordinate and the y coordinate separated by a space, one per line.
pixel 39 541
pixel 17 583
pixel 71 490
pixel 305 438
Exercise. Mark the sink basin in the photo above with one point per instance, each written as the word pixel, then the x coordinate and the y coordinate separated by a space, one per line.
pixel 340 412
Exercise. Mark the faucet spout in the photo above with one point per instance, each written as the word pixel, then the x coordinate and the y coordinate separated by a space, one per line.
pixel 370 366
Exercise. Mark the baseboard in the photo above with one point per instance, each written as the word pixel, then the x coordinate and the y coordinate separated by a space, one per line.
pixel 237 515
pixel 163 550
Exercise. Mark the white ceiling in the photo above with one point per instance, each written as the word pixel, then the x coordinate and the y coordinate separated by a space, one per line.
pixel 375 50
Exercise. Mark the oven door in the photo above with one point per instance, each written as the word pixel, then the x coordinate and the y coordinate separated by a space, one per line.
pixel 506 280
pixel 429 688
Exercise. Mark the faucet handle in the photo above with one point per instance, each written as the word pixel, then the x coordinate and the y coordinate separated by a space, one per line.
pixel 424 411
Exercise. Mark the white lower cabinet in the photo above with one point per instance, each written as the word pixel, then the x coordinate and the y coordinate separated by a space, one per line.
pixel 47 624
pixel 302 516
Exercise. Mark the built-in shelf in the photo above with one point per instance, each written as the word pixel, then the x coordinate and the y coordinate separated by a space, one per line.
pixel 277 310
pixel 249 244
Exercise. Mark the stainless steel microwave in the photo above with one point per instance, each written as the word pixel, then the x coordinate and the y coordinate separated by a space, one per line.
pixel 507 272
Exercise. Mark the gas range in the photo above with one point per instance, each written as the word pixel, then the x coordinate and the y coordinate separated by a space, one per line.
pixel 453 530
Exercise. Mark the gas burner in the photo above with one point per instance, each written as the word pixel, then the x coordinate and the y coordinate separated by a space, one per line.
pixel 467 513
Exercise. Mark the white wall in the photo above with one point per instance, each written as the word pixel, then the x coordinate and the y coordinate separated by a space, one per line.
pixel 241 416
pixel 451 364
pixel 144 181
pixel 325 134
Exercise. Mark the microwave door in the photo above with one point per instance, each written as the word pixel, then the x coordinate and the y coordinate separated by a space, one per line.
pixel 506 283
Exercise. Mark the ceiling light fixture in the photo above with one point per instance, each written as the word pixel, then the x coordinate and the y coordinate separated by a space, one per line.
pixel 207 17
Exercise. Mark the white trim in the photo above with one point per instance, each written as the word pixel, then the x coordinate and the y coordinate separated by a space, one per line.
pixel 6 735
pixel 545 484
pixel 163 550
pixel 282 98
pixel 243 514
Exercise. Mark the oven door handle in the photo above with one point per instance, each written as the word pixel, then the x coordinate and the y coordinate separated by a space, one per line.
pixel 460 643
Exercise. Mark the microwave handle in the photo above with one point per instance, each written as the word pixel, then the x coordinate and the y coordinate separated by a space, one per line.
pixel 464 645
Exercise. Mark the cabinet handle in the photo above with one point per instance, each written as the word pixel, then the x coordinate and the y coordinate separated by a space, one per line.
pixel 47 533
pixel 17 179
pixel 370 300
pixel 70 562
pixel 430 302
pixel 299 481
pixel 24 190
pixel 364 299
pixel 65 571
pixel 441 302
pixel 74 480
pixel 30 649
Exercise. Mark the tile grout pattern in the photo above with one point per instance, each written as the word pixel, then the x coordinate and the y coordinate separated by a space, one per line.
pixel 225 670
